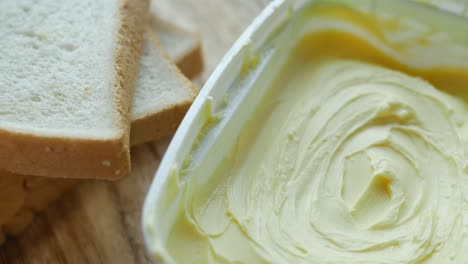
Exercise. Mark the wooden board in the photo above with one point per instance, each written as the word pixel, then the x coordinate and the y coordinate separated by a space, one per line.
pixel 99 222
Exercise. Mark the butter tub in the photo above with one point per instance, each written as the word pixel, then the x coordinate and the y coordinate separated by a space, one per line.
pixel 230 96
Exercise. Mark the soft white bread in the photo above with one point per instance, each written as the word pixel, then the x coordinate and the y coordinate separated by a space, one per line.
pixel 20 196
pixel 67 82
pixel 181 46
pixel 163 95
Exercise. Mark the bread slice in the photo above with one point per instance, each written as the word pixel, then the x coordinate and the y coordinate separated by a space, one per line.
pixel 163 95
pixel 181 45
pixel 67 81
pixel 20 196
pixel 160 103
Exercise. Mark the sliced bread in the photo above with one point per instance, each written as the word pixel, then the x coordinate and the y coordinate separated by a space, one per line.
pixel 181 45
pixel 67 82
pixel 21 195
pixel 163 95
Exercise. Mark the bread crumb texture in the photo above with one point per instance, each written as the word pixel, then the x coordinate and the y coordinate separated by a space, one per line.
pixel 57 73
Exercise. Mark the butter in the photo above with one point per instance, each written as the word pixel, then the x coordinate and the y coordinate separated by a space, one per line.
pixel 356 154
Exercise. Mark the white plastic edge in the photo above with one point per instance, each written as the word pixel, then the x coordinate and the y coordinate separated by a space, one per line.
pixel 224 71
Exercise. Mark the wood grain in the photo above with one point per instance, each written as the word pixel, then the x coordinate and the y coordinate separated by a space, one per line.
pixel 99 222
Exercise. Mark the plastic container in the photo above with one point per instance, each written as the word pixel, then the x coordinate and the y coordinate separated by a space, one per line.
pixel 227 99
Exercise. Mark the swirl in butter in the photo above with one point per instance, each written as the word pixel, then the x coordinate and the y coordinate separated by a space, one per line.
pixel 346 160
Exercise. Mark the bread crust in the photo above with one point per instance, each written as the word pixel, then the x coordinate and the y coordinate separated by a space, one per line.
pixel 42 155
pixel 63 157
pixel 157 125
pixel 25 194
pixel 191 64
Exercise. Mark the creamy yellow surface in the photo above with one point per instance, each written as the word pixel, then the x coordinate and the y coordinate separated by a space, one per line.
pixel 354 155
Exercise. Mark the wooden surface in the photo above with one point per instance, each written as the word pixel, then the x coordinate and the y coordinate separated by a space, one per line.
pixel 99 222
